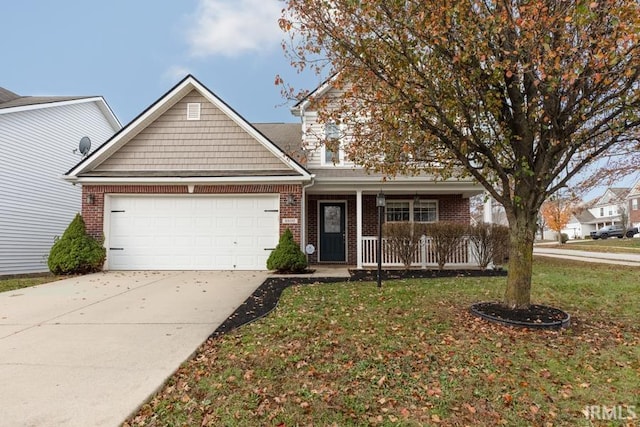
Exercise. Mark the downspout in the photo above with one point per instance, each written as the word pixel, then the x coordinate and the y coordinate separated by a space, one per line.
pixel 303 214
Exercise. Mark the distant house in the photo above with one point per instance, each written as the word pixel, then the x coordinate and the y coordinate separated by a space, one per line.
pixel 38 136
pixel 633 204
pixel 607 208
pixel 581 224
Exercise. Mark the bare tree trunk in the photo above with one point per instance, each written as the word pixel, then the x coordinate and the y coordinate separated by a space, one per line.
pixel 522 231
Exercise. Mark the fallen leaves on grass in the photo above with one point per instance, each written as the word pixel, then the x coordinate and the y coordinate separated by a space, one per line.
pixel 408 355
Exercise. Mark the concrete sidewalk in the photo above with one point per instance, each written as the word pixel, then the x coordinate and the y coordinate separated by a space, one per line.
pixel 87 351
pixel 596 257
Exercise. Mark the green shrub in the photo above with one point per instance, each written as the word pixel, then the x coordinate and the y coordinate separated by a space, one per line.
pixel 564 238
pixel 76 252
pixel 287 256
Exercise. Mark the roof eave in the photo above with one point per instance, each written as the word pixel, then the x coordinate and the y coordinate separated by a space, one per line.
pixel 185 180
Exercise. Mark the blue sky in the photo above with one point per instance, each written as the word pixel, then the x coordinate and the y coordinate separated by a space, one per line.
pixel 133 51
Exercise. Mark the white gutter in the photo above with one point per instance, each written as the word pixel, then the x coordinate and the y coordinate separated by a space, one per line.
pixel 182 180
pixel 303 214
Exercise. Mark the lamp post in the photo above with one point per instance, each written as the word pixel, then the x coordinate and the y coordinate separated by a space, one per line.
pixel 380 203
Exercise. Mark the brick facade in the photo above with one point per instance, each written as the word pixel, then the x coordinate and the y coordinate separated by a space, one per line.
pixel 93 213
pixel 450 208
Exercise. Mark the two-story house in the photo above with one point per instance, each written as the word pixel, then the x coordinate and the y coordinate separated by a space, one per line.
pixel 38 137
pixel 190 184
pixel 606 209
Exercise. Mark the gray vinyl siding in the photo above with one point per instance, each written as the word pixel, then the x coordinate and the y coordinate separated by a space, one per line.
pixel 213 143
pixel 36 149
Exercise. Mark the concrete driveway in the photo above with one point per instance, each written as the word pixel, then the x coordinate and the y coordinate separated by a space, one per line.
pixel 87 351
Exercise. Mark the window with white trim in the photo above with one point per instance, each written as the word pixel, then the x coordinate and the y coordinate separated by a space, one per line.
pixel 634 204
pixel 411 211
pixel 425 211
pixel 332 154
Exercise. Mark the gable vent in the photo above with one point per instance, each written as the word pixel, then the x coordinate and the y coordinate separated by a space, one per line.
pixel 193 111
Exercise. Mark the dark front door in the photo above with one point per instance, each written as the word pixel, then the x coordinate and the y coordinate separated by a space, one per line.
pixel 332 232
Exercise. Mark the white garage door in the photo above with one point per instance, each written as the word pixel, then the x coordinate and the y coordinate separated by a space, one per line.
pixel 233 232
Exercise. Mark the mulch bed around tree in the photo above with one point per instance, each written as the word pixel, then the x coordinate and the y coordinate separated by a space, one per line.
pixel 266 297
pixel 534 317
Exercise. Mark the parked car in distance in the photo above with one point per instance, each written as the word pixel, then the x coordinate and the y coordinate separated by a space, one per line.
pixel 613 231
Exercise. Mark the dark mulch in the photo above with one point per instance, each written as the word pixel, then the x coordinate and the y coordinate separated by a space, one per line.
pixel 371 275
pixel 266 297
pixel 264 300
pixel 536 316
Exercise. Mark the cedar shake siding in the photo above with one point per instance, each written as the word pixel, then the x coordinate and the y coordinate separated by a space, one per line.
pixel 173 143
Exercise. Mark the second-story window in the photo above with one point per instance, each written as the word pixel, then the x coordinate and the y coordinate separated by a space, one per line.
pixel 331 150
pixel 634 204
pixel 601 211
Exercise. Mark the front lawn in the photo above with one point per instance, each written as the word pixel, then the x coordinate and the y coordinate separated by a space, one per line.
pixel 411 355
pixel 11 284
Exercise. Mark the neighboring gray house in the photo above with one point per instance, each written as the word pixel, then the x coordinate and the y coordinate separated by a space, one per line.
pixel 38 136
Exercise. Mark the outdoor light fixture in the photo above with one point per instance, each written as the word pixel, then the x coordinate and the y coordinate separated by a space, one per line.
pixel 90 198
pixel 380 203
pixel 291 200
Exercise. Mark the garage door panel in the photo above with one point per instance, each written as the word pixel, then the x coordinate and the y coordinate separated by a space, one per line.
pixel 191 232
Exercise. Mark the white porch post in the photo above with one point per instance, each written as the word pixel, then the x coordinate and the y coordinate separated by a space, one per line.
pixel 359 228
pixel 488 209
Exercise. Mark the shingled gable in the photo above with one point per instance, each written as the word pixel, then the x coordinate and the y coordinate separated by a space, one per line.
pixel 162 145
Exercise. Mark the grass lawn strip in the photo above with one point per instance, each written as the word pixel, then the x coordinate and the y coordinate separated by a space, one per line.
pixel 11 284
pixel 411 354
pixel 611 245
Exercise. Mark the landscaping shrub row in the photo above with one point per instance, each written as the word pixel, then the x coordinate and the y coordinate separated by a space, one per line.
pixel 489 242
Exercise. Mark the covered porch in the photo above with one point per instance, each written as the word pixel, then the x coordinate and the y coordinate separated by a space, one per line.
pixel 341 219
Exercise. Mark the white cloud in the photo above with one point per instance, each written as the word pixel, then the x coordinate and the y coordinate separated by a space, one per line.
pixel 234 27
pixel 175 73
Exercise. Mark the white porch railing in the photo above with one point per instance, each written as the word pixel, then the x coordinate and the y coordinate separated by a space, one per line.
pixel 424 256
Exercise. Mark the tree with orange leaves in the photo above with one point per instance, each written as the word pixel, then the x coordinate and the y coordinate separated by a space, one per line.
pixel 522 95
pixel 556 214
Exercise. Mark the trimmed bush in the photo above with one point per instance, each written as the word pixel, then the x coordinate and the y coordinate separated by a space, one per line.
pixel 76 252
pixel 446 237
pixel 489 243
pixel 564 238
pixel 287 256
pixel 404 239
